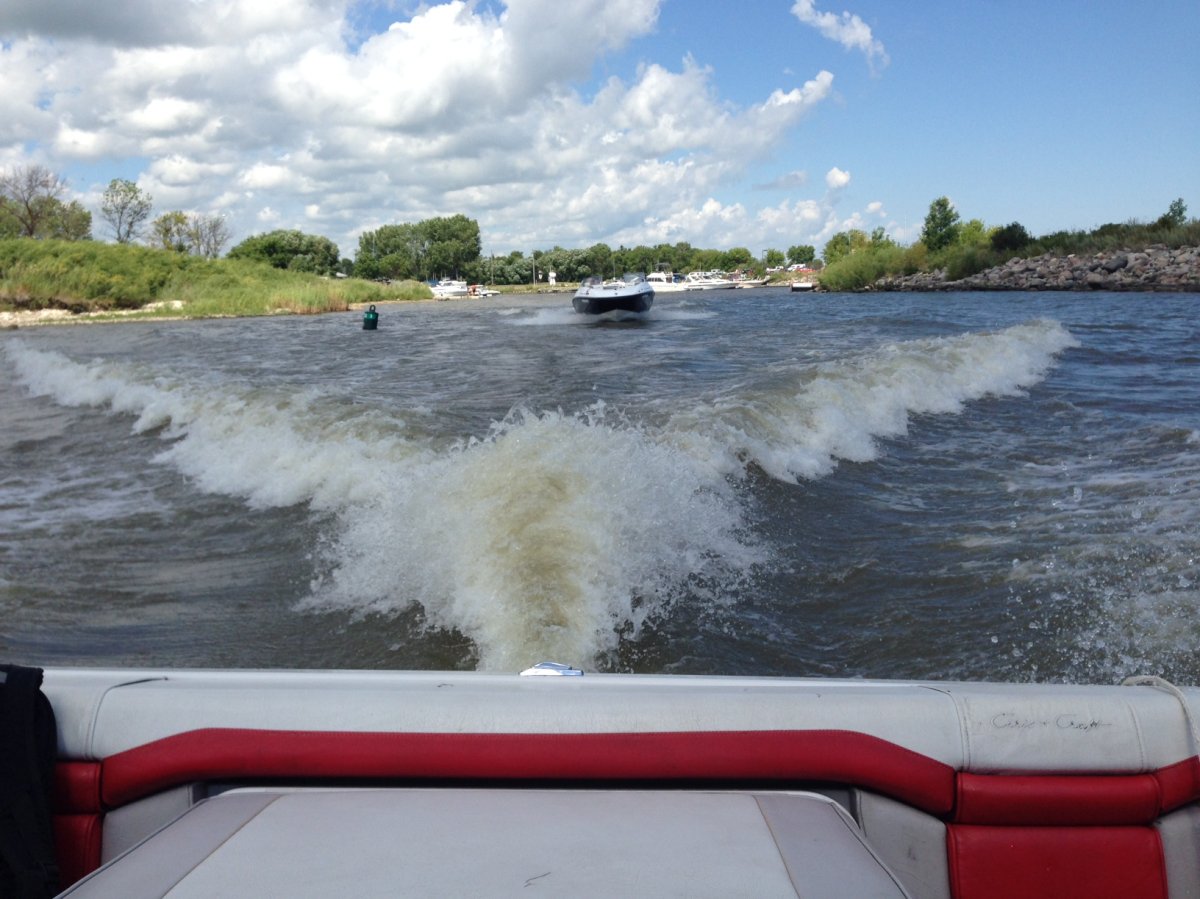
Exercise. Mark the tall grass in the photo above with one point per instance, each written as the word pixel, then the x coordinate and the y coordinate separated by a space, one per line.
pixel 97 277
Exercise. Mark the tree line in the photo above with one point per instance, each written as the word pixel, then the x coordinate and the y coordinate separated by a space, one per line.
pixel 31 205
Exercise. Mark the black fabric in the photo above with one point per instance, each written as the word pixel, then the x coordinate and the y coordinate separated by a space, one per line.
pixel 28 744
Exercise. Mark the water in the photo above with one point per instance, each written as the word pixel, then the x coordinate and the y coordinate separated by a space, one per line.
pixel 1000 486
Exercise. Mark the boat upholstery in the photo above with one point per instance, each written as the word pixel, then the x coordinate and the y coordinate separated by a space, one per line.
pixel 970 791
pixel 472 842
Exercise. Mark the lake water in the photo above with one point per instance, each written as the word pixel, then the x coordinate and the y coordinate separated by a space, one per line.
pixel 1000 486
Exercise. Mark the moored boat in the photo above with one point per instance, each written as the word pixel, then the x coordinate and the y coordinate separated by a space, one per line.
pixel 803 286
pixel 240 783
pixel 632 293
pixel 447 288
pixel 666 282
pixel 708 281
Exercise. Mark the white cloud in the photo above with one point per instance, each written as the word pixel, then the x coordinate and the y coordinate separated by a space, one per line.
pixel 846 29
pixel 836 178
pixel 261 109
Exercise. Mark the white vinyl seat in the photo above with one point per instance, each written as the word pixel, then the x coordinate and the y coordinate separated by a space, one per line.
pixel 502 842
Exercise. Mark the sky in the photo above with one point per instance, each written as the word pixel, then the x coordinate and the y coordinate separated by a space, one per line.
pixel 761 124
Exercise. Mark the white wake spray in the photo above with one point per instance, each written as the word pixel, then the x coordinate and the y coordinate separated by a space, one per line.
pixel 553 534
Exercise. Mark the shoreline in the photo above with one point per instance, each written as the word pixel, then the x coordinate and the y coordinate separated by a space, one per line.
pixel 1156 269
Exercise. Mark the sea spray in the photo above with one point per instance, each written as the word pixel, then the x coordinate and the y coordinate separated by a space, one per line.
pixel 547 539
pixel 555 534
pixel 798 422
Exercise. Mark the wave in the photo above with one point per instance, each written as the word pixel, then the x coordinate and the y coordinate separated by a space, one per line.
pixel 800 422
pixel 555 534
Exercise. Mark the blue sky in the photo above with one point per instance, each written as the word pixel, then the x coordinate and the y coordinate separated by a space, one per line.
pixel 757 124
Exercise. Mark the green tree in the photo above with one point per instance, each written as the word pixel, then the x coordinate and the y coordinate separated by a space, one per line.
pixel 290 249
pixel 843 244
pixel 31 195
pixel 1010 238
pixel 169 231
pixel 974 233
pixel 68 221
pixel 737 257
pixel 941 225
pixel 801 255
pixel 434 247
pixel 1175 216
pixel 125 207
pixel 774 258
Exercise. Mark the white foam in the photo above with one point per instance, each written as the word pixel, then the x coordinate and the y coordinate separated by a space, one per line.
pixel 805 419
pixel 554 532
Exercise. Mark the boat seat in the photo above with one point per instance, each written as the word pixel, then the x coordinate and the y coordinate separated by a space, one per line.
pixel 474 842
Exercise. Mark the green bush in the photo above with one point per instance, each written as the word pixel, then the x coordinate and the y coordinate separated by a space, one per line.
pixel 89 276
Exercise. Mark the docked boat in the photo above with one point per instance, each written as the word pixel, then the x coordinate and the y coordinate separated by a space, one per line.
pixel 666 282
pixel 446 288
pixel 373 783
pixel 799 286
pixel 708 281
pixel 632 293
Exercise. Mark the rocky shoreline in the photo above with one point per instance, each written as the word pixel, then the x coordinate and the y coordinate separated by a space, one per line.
pixel 1156 268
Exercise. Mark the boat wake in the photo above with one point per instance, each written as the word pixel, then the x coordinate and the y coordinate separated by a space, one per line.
pixel 554 535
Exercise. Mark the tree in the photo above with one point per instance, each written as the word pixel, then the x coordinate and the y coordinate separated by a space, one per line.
pixel 801 255
pixel 1175 216
pixel 941 225
pixel 208 234
pixel 291 250
pixel 433 247
pixel 31 206
pixel 973 233
pixel 1010 238
pixel 31 194
pixel 169 231
pixel 125 207
pixel 68 221
pixel 773 258
pixel 843 244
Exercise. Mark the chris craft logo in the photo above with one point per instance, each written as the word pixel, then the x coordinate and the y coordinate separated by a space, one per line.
pixel 1066 721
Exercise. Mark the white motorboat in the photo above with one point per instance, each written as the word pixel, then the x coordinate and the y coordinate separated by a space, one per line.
pixel 666 282
pixel 632 293
pixel 446 288
pixel 310 783
pixel 708 281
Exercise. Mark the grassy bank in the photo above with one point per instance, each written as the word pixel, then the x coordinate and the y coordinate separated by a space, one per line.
pixel 86 276
pixel 866 265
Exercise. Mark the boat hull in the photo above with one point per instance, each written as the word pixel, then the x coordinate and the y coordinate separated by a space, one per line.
pixel 601 299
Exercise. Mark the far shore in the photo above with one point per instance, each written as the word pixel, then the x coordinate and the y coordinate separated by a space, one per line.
pixel 34 318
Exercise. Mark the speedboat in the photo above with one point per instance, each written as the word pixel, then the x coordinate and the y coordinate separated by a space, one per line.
pixel 632 293
pixel 478 290
pixel 370 783
pixel 665 282
pixel 446 288
pixel 708 281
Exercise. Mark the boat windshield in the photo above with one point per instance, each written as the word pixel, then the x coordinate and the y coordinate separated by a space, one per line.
pixel 633 277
